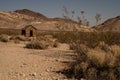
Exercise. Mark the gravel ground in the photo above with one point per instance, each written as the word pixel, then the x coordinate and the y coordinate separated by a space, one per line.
pixel 19 63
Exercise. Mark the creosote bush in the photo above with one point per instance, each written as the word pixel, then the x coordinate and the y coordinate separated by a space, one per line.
pixel 98 54
pixel 43 42
pixel 90 39
pixel 97 63
pixel 37 45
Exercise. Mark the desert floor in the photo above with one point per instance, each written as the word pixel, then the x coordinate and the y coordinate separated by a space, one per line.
pixel 19 63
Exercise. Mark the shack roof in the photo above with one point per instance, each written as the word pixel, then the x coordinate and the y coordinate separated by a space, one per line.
pixel 28 27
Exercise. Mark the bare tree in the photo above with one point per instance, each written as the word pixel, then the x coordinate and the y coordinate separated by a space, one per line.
pixel 73 13
pixel 66 12
pixel 83 17
pixel 87 23
pixel 79 20
pixel 98 18
pixel 82 13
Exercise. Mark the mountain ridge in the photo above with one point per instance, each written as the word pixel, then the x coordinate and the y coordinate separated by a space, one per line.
pixel 20 18
pixel 112 24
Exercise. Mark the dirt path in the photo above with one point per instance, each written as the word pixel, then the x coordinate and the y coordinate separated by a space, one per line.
pixel 18 63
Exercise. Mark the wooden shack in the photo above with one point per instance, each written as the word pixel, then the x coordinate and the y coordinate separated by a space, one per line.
pixel 29 31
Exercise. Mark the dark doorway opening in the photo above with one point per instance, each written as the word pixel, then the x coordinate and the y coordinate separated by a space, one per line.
pixel 31 33
pixel 23 32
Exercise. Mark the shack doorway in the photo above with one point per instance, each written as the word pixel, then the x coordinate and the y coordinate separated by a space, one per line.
pixel 31 33
pixel 23 32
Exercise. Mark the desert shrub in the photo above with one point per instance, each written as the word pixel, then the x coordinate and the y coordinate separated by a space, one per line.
pixel 37 45
pixel 110 38
pixel 103 46
pixel 49 39
pixel 115 50
pixel 96 57
pixel 18 37
pixel 4 38
pixel 55 43
pixel 41 38
pixel 9 31
pixel 96 63
pixel 48 36
pixel 90 39
pixel 16 41
pixel 116 54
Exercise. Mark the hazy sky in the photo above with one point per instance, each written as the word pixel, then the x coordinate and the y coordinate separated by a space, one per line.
pixel 53 8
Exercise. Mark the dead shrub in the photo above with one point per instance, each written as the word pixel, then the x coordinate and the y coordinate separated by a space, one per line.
pixel 116 54
pixel 91 74
pixel 110 60
pixel 37 45
pixel 16 41
pixel 96 63
pixel 90 39
pixel 48 36
pixel 4 38
pixel 115 50
pixel 96 58
pixel 97 51
pixel 43 44
pixel 18 37
pixel 103 46
pixel 79 70
pixel 55 43
pixel 52 42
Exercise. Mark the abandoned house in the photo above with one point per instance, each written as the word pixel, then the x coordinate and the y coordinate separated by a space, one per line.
pixel 29 31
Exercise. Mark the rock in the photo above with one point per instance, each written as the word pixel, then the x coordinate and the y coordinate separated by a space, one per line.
pixel 22 74
pixel 33 74
pixel 23 64
pixel 48 70
pixel 56 60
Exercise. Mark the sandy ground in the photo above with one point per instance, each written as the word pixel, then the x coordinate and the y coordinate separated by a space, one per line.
pixel 19 63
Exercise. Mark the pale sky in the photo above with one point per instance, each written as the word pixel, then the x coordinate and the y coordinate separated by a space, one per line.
pixel 53 8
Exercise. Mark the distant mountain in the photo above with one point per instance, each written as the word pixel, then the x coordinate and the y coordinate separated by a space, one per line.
pixel 112 24
pixel 31 13
pixel 20 18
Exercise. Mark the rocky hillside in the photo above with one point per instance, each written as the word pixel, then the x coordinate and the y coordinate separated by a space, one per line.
pixel 20 18
pixel 32 14
pixel 112 24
